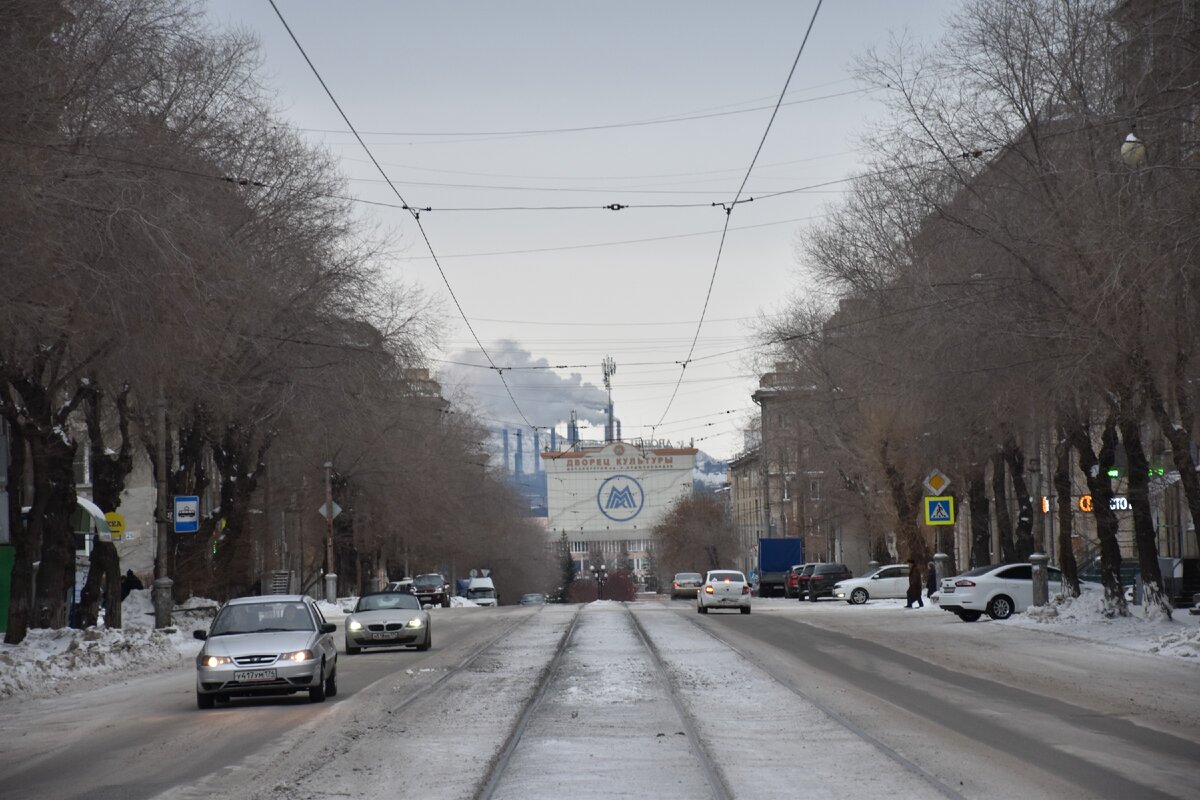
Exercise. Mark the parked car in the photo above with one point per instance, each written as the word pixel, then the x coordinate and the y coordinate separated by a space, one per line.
pixel 802 580
pixel 823 578
pixel 686 584
pixel 533 599
pixel 890 580
pixel 276 644
pixel 388 619
pixel 432 589
pixel 998 590
pixel 791 581
pixel 402 585
pixel 724 588
pixel 482 592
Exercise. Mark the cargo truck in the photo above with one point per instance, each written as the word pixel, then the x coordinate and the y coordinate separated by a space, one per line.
pixel 775 557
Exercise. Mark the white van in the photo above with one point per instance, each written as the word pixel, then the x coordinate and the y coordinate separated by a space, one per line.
pixel 482 592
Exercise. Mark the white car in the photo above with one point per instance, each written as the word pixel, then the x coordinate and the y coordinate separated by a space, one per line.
pixel 890 580
pixel 723 588
pixel 998 590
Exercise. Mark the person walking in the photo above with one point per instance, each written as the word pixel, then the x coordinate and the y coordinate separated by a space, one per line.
pixel 931 581
pixel 914 585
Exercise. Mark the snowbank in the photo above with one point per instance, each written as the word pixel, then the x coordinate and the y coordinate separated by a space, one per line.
pixel 1084 618
pixel 48 660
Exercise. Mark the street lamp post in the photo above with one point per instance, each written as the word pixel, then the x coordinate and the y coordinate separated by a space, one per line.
pixel 599 575
pixel 330 572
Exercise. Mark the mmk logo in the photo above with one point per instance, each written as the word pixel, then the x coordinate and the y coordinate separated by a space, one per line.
pixel 620 498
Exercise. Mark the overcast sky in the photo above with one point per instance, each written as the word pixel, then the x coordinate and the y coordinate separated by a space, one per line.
pixel 466 105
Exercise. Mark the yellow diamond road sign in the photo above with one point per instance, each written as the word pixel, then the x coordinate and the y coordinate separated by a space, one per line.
pixel 936 482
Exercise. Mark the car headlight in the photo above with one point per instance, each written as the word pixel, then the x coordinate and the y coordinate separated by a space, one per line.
pixel 415 622
pixel 215 661
pixel 355 625
pixel 299 655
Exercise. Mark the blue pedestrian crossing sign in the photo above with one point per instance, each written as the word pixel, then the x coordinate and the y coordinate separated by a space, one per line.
pixel 939 510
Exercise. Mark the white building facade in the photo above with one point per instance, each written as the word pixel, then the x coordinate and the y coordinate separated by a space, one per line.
pixel 608 499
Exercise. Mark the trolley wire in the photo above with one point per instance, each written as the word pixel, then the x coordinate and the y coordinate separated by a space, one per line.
pixel 732 205
pixel 415 212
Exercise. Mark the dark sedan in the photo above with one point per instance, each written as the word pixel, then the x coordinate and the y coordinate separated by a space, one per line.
pixel 824 577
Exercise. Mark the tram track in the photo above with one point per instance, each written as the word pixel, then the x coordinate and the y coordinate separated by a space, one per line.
pixel 657 680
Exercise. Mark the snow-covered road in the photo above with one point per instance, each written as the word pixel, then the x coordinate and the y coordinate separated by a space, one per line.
pixel 651 700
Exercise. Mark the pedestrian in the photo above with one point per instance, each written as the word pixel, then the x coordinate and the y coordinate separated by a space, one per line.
pixel 931 581
pixel 129 583
pixel 914 585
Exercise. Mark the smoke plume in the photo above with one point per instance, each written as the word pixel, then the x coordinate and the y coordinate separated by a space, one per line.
pixel 546 397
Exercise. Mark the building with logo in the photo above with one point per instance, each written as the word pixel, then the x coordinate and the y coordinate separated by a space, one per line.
pixel 608 499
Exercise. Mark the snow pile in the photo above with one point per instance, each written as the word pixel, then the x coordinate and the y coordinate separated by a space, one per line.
pixel 1185 644
pixel 1085 618
pixel 462 602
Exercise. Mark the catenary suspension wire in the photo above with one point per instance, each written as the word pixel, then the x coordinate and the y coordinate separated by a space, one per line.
pixel 731 206
pixel 415 212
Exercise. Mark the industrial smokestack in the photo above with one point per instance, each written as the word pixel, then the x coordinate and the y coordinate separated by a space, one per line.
pixel 572 432
pixel 519 463
pixel 618 423
pixel 537 450
pixel 553 440
pixel 504 436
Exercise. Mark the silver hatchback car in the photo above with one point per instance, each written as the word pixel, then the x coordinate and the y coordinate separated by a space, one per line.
pixel 276 644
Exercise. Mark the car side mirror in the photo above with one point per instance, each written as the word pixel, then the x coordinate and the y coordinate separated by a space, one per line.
pixel 200 634
pixel 328 627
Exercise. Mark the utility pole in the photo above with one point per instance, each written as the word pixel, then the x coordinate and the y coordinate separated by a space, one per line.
pixel 163 601
pixel 330 574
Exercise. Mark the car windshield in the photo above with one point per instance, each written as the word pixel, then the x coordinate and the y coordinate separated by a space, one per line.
pixel 386 600
pixel 428 580
pixel 474 594
pixel 262 618
pixel 735 577
pixel 688 576
pixel 808 570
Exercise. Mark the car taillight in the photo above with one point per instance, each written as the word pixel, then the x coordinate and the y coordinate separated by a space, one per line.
pixel 676 584
pixel 708 590
pixel 964 583
pixel 746 589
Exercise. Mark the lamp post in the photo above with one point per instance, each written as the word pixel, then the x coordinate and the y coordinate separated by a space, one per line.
pixel 1133 151
pixel 330 571
pixel 599 575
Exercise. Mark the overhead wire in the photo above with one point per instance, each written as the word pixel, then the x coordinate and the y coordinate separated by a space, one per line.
pixel 416 214
pixel 480 135
pixel 736 200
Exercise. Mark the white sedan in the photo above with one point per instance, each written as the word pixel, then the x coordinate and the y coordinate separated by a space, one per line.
pixel 723 588
pixel 887 581
pixel 998 590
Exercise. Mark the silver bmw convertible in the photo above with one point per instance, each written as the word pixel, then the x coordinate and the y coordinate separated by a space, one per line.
pixel 388 619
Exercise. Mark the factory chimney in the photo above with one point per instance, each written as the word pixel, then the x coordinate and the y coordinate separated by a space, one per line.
pixel 504 436
pixel 537 450
pixel 519 463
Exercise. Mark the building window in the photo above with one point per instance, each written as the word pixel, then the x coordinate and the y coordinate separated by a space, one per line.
pixel 814 490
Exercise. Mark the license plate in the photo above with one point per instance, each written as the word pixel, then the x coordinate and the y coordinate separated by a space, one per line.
pixel 384 635
pixel 948 590
pixel 248 675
